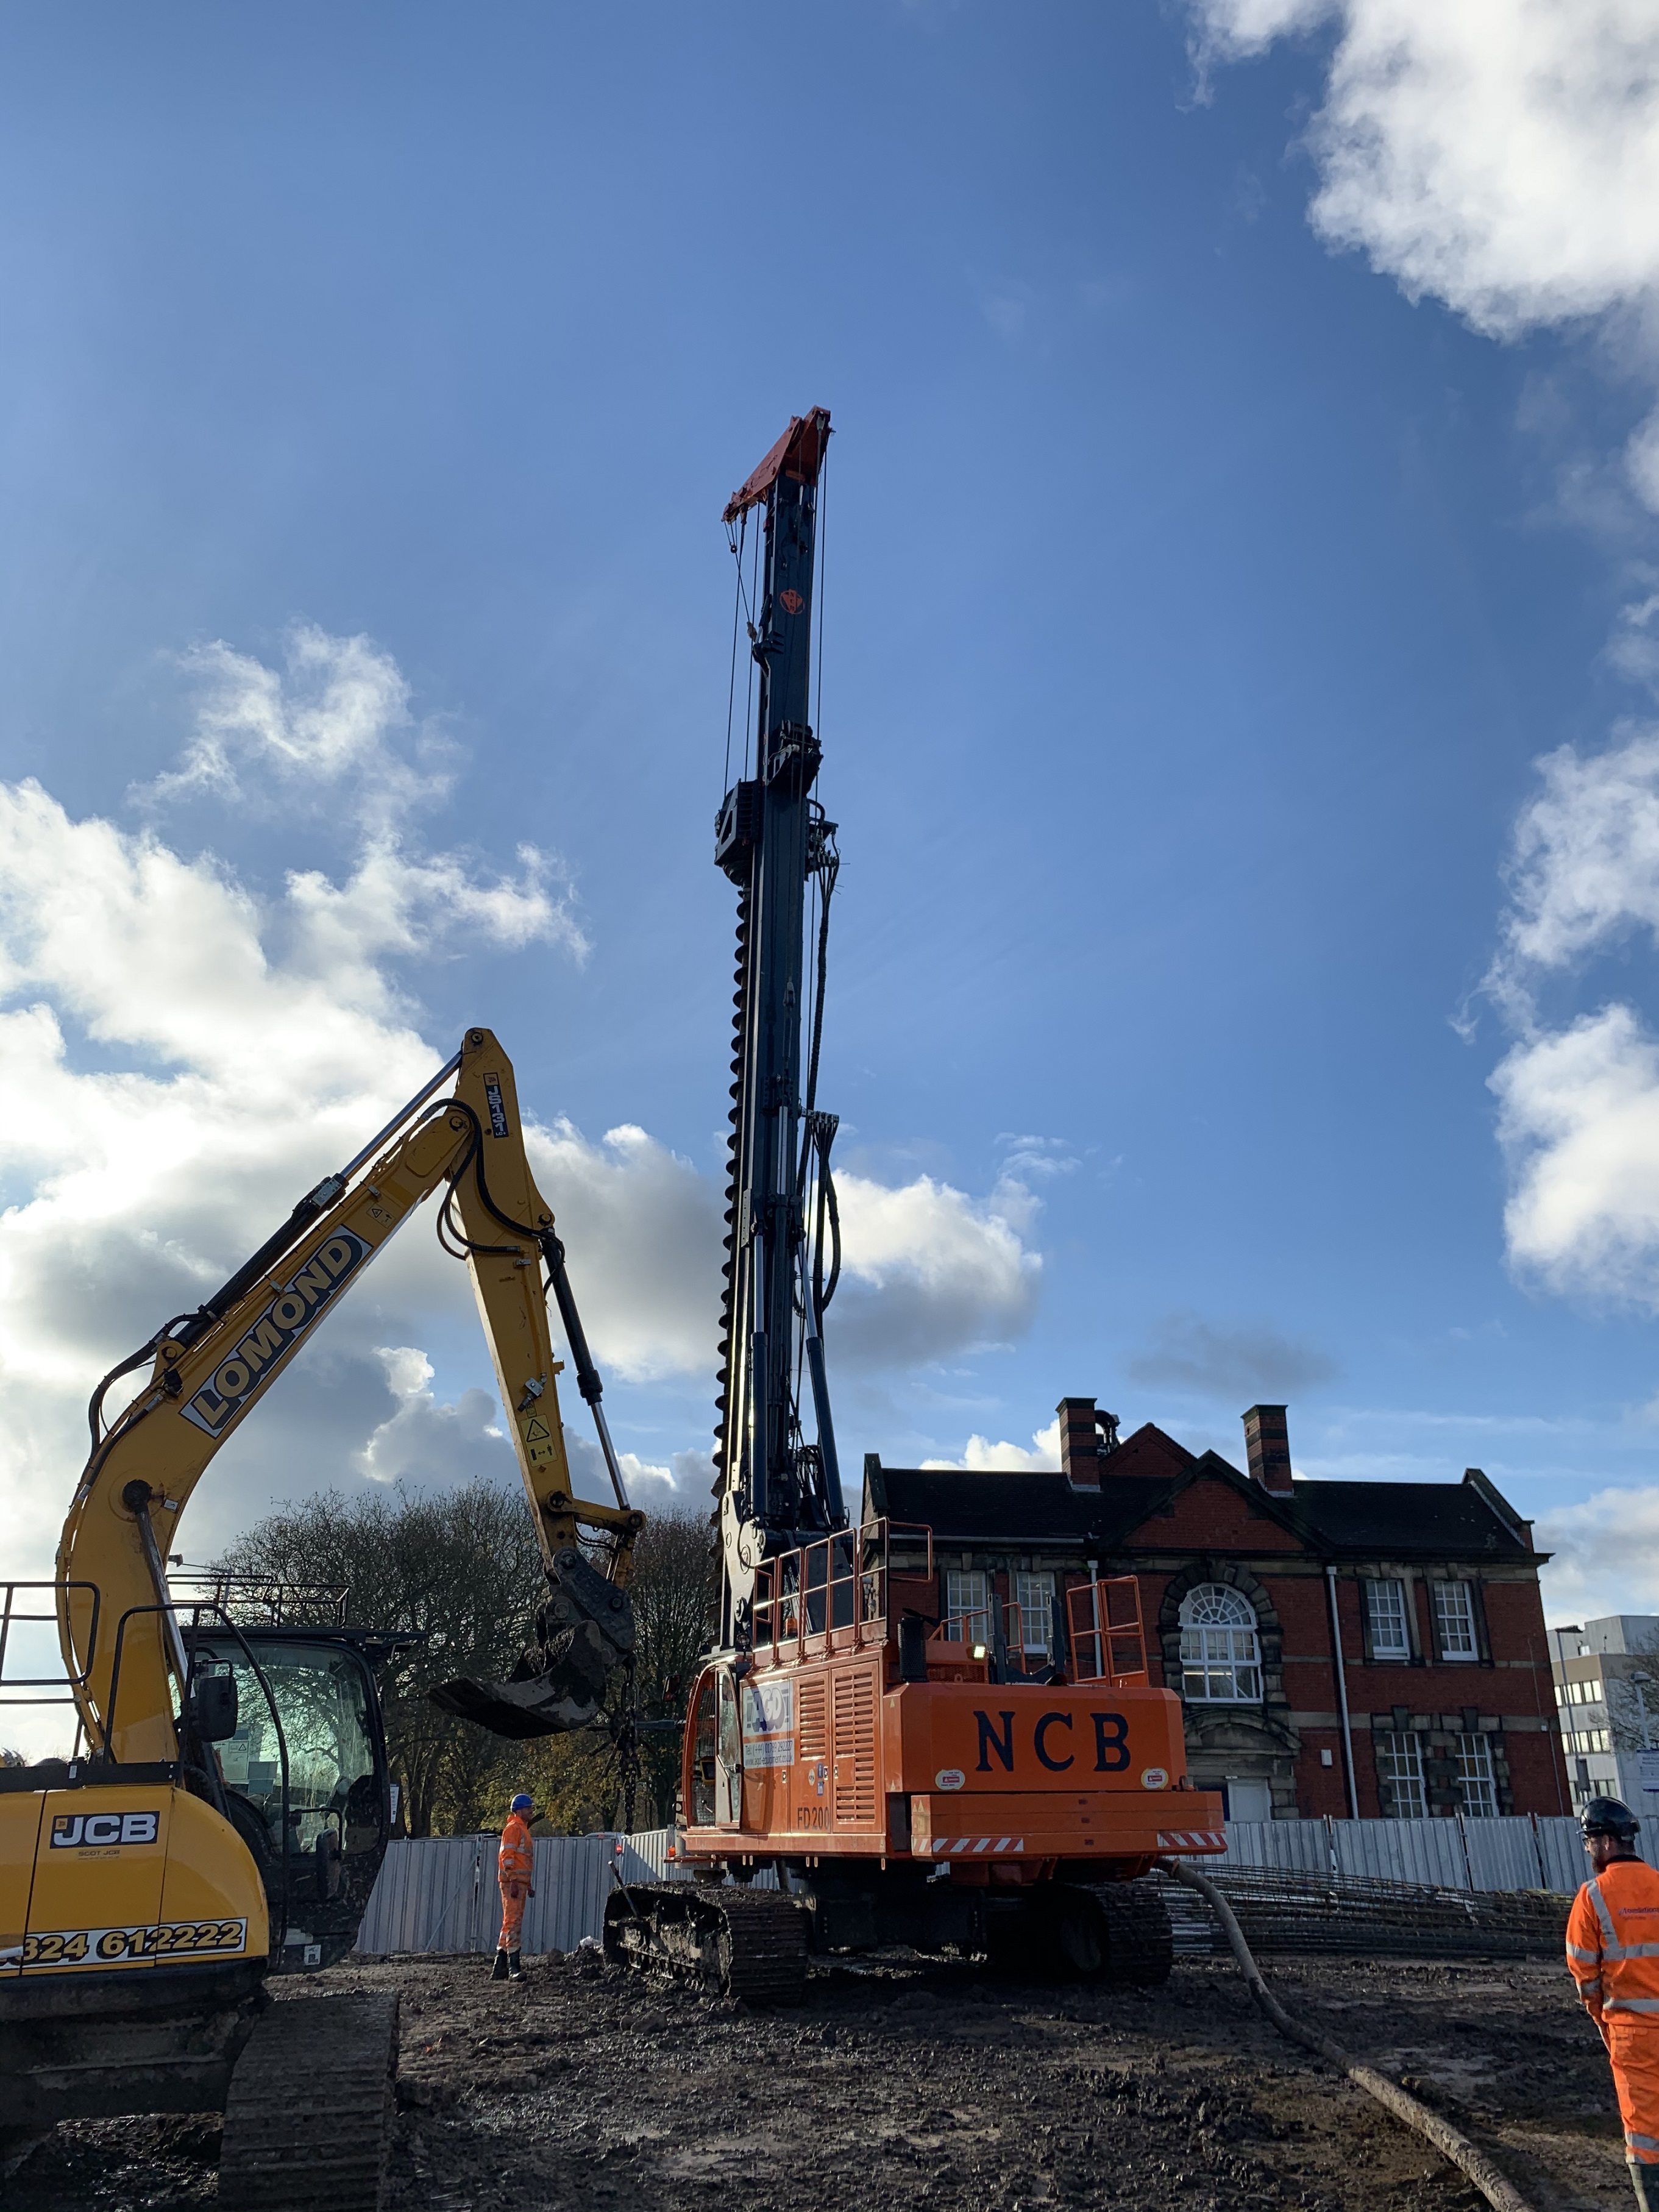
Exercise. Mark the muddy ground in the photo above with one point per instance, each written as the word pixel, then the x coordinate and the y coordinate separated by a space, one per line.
pixel 583 2086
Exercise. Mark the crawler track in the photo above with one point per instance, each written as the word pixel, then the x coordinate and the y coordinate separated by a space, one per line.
pixel 310 2106
pixel 1140 1941
pixel 744 1943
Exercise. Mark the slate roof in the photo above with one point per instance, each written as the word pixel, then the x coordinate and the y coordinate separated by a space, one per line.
pixel 979 1508
pixel 991 1508
pixel 1453 1520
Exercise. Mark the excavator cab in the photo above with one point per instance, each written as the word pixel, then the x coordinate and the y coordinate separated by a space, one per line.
pixel 302 1765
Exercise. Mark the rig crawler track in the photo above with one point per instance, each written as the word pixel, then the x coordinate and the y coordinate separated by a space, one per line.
pixel 744 1943
pixel 310 2108
pixel 1140 1941
pixel 1118 1933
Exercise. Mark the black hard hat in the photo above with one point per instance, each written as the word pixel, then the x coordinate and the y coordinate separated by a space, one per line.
pixel 1609 1816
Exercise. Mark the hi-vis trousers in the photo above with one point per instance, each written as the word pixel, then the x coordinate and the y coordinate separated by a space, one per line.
pixel 514 1894
pixel 1633 2047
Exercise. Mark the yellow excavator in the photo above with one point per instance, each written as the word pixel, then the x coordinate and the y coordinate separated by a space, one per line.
pixel 227 1805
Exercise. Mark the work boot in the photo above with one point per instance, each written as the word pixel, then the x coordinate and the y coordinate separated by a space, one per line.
pixel 514 1968
pixel 501 1970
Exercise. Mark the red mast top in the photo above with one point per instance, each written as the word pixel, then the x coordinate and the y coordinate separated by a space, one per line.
pixel 798 453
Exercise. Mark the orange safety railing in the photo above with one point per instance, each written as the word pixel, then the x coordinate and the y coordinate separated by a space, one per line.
pixel 834 1594
pixel 1108 1642
pixel 972 1630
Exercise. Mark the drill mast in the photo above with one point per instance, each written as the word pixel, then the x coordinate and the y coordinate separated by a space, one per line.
pixel 777 1487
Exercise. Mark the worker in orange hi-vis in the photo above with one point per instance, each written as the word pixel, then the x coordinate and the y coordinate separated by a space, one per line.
pixel 515 1863
pixel 1613 1954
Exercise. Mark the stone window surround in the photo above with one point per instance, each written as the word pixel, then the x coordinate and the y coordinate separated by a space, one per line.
pixel 1269 1629
pixel 1439 1733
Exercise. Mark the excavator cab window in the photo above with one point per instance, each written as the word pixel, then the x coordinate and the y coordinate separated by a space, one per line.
pixel 323 1696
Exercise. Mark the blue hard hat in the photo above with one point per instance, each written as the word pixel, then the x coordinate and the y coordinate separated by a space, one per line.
pixel 522 1803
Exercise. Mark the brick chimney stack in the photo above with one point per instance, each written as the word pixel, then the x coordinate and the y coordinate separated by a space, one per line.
pixel 1267 1449
pixel 1080 1442
pixel 1086 1438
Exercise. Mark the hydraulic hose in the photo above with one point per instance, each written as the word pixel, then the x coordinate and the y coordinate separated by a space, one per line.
pixel 1498 2192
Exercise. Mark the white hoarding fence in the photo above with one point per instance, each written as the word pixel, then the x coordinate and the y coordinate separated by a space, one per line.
pixel 439 1894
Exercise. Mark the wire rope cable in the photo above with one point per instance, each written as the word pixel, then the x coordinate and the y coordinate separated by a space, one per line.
pixel 731 682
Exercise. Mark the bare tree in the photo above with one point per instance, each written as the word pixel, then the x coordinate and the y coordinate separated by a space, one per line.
pixel 461 1568
pixel 676 1589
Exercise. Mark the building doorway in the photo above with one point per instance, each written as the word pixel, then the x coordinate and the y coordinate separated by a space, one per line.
pixel 1246 1801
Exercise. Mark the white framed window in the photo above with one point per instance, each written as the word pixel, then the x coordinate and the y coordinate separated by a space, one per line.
pixel 1385 1617
pixel 1221 1650
pixel 1035 1597
pixel 1475 1778
pixel 968 1612
pixel 1400 1767
pixel 1454 1622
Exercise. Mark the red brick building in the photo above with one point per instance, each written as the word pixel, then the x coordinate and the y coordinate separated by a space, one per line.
pixel 1437 1698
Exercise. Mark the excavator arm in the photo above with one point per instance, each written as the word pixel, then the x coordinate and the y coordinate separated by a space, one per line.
pixel 210 1368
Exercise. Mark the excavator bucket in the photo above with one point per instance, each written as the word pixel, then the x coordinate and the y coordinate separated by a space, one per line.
pixel 584 1633
pixel 549 1692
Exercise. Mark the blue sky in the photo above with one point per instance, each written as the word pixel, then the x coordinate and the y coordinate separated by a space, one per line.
pixel 1223 522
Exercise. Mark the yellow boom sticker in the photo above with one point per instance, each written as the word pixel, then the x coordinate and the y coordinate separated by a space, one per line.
pixel 109 1946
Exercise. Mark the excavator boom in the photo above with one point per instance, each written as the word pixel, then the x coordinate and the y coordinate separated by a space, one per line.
pixel 211 1368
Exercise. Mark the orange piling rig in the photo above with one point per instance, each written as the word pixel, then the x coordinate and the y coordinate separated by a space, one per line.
pixel 911 1780
pixel 910 1786
pixel 855 1733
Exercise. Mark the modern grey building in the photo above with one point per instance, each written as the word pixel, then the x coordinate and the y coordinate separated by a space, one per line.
pixel 1606 1696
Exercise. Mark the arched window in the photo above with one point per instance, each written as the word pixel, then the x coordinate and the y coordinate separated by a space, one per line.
pixel 1220 1653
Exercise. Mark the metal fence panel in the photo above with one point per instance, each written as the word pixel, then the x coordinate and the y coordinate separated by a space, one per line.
pixel 429 1895
pixel 1502 1854
pixel 1401 1851
pixel 1301 1845
pixel 1561 1852
pixel 439 1892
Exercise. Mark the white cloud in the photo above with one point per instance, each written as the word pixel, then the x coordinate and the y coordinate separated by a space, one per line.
pixel 427 1441
pixel 1586 856
pixel 651 1485
pixel 1579 1121
pixel 929 1273
pixel 1233 30
pixel 180 1059
pixel 333 720
pixel 981 1456
pixel 1578 1104
pixel 1633 648
pixel 1500 156
pixel 643 1230
pixel 1607 1554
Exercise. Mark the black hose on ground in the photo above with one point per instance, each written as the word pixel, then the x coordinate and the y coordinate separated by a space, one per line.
pixel 1498 2192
